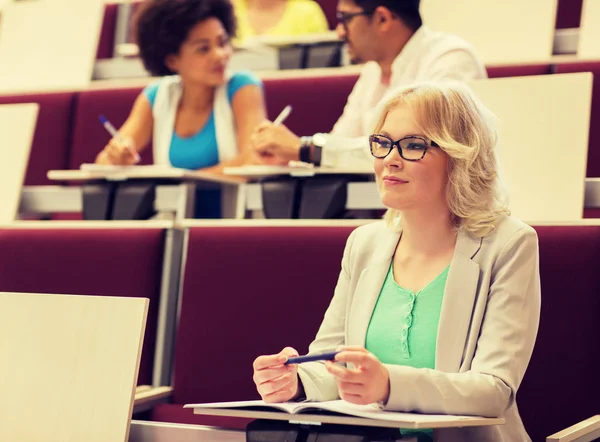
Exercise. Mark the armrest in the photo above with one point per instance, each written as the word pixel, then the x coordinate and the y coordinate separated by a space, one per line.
pixel 585 431
pixel 146 396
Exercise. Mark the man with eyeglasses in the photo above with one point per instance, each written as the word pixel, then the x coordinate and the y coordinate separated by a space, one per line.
pixel 397 49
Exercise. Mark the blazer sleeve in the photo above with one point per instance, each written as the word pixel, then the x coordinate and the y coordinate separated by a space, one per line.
pixel 504 346
pixel 318 384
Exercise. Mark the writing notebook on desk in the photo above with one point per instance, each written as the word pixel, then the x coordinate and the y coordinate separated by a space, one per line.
pixel 106 168
pixel 370 415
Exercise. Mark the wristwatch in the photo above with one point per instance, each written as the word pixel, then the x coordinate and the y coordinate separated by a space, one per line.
pixel 318 141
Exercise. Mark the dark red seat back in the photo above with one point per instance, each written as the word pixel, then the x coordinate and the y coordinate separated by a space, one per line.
pixel 249 291
pixel 568 14
pixel 499 71
pixel 105 262
pixel 89 136
pixel 561 386
pixel 317 102
pixel 52 138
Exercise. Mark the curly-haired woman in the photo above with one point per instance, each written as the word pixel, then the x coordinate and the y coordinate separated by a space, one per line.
pixel 198 116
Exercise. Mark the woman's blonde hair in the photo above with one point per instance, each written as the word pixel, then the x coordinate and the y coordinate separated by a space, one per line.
pixel 450 114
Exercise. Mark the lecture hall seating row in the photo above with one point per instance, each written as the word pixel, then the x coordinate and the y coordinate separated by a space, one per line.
pixel 69 134
pixel 253 289
pixel 568 16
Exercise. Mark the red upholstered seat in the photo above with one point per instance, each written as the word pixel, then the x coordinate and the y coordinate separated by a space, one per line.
pixel 518 70
pixel 89 136
pixel 106 42
pixel 318 102
pixel 329 8
pixel 593 161
pixel 254 290
pixel 568 14
pixel 50 147
pixel 561 385
pixel 105 262
pixel 247 291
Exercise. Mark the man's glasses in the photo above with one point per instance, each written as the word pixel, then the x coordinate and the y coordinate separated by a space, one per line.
pixel 410 148
pixel 345 17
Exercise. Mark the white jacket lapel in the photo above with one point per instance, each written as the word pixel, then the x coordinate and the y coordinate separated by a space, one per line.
pixel 458 303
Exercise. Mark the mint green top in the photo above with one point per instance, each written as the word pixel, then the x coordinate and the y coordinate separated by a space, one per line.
pixel 403 328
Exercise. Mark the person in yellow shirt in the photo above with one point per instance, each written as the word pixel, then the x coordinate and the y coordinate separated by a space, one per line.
pixel 278 17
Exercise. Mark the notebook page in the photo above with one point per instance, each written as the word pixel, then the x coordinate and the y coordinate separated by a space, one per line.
pixel 288 407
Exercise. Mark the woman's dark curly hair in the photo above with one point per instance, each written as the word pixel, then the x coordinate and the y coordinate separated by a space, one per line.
pixel 161 26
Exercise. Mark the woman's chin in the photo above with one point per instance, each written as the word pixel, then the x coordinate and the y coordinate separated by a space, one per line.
pixel 393 202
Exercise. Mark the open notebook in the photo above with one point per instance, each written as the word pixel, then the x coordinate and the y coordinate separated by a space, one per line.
pixel 372 412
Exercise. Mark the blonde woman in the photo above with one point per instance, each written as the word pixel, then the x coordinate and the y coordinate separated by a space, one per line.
pixel 436 307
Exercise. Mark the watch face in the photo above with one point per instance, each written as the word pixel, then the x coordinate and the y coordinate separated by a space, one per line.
pixel 318 140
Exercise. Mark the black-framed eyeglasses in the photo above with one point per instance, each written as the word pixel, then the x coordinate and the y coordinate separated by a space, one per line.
pixel 410 148
pixel 345 17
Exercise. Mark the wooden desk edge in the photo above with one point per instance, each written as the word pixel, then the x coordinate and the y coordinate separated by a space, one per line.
pixel 145 394
pixel 575 431
pixel 82 176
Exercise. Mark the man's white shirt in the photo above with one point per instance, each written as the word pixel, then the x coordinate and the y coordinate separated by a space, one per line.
pixel 427 56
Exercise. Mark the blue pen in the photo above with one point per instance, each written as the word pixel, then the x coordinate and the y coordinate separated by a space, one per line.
pixel 309 358
pixel 113 132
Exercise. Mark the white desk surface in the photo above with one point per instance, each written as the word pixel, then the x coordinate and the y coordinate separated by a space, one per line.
pixel 135 173
pixel 88 224
pixel 262 74
pixel 444 422
pixel 258 172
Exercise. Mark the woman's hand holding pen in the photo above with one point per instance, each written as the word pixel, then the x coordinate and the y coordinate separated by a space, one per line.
pixel 367 382
pixel 119 151
pixel 275 381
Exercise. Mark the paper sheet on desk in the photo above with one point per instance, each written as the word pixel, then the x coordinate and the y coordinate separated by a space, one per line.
pixel 90 167
pixel 294 168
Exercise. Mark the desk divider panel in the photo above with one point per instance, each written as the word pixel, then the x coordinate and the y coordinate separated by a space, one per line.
pixel 49 45
pixel 500 31
pixel 593 161
pixel 69 366
pixel 17 126
pixel 545 181
pixel 589 31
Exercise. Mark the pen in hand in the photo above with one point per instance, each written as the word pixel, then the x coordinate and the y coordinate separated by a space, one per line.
pixel 114 133
pixel 283 115
pixel 314 357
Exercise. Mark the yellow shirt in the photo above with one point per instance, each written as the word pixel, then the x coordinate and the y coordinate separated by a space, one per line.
pixel 300 17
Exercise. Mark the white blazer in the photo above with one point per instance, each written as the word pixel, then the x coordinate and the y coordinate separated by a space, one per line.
pixel 487 329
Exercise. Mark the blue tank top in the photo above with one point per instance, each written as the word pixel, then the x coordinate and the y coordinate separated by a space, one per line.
pixel 201 150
